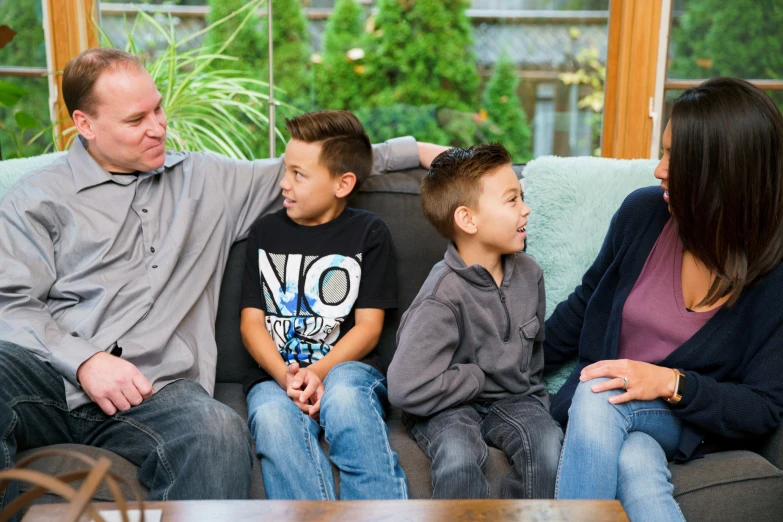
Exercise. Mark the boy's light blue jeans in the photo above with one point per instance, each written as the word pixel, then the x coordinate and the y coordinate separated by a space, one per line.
pixel 353 412
pixel 620 451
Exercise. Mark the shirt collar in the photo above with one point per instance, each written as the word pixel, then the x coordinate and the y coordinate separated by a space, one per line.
pixel 477 274
pixel 87 173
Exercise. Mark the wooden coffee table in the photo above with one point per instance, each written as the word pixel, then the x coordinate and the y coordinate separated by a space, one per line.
pixel 381 510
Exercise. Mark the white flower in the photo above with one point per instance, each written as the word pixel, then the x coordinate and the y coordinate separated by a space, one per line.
pixel 355 54
pixel 316 58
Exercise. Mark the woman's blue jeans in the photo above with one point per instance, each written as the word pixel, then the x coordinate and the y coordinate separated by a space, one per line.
pixel 353 414
pixel 620 451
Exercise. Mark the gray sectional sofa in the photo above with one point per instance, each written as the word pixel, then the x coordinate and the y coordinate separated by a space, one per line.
pixel 734 485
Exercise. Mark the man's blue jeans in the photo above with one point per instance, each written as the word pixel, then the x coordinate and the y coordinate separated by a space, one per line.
pixel 620 451
pixel 353 412
pixel 187 445
pixel 456 442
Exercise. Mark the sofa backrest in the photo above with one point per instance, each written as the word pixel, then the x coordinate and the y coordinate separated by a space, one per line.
pixel 395 198
pixel 572 201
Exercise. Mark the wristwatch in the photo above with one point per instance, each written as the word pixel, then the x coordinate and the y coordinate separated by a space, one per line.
pixel 679 386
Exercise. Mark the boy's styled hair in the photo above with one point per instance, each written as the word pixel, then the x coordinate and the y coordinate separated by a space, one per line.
pixel 454 180
pixel 345 146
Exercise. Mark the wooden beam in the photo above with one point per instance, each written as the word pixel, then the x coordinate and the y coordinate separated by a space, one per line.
pixel 70 30
pixel 630 78
pixel 766 85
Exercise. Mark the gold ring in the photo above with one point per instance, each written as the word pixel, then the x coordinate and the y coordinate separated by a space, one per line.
pixel 625 383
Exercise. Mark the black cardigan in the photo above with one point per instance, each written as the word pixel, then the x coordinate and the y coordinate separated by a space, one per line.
pixel 733 364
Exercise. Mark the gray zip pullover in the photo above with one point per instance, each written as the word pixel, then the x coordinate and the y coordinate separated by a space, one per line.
pixel 464 338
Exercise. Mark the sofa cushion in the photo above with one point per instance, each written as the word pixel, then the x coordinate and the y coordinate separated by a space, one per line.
pixel 395 198
pixel 13 170
pixel 730 485
pixel 572 201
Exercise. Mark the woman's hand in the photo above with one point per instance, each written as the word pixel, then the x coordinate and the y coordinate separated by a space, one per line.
pixel 646 381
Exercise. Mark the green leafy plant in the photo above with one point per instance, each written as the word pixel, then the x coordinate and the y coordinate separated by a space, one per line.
pixel 27 130
pixel 209 106
pixel 591 72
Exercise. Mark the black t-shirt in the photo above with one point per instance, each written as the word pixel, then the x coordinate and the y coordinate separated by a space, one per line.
pixel 309 279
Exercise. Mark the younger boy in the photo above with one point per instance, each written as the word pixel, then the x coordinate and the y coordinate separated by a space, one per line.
pixel 469 354
pixel 318 277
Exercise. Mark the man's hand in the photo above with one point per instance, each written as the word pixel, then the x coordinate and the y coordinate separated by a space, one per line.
pixel 428 152
pixel 112 383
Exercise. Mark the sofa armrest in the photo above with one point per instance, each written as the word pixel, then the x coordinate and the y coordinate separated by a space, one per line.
pixel 772 448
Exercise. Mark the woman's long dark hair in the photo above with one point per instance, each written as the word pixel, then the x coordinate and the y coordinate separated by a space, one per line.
pixel 726 182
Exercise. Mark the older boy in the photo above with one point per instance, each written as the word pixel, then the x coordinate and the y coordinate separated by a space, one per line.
pixel 318 278
pixel 469 349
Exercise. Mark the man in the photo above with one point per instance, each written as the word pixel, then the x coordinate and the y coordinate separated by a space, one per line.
pixel 112 262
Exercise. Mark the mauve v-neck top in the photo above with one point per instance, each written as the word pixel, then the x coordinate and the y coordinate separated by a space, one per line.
pixel 655 320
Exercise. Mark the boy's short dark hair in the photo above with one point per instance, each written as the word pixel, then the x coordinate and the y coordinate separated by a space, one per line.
pixel 454 180
pixel 345 146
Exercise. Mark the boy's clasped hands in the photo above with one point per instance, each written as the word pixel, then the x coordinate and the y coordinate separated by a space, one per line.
pixel 305 387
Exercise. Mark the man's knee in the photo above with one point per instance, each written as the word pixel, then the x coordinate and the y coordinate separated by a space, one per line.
pixel 219 430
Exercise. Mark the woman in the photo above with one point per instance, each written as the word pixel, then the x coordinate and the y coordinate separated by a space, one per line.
pixel 678 323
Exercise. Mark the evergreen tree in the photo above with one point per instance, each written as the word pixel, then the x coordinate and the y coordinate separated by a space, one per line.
pixel 339 77
pixel 421 54
pixel 507 119
pixel 739 38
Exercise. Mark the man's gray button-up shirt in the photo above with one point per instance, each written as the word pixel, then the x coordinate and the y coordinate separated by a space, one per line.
pixel 94 261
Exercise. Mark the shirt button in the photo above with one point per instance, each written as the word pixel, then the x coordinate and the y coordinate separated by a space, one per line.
pixel 144 210
pixel 152 249
pixel 154 266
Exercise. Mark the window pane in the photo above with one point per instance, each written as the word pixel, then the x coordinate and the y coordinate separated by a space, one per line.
pixel 740 38
pixel 529 73
pixel 673 94
pixel 27 48
pixel 509 86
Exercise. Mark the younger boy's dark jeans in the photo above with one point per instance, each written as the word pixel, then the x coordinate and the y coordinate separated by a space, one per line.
pixel 456 442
